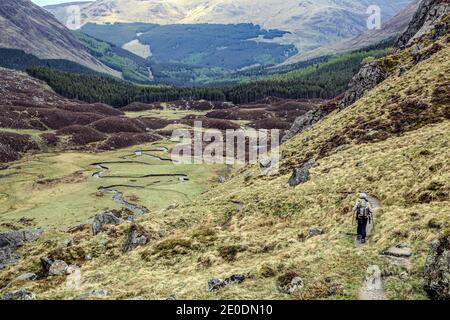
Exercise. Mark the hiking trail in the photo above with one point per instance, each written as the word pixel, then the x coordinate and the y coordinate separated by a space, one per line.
pixel 373 286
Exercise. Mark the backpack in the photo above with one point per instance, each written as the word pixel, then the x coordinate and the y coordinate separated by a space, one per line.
pixel 363 211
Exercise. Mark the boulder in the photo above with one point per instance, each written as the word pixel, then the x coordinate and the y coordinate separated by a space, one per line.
pixel 301 174
pixel 172 297
pixel 398 251
pixel 216 284
pixel 46 263
pixel 235 279
pixel 102 219
pixel 137 236
pixel 10 241
pixel 289 283
pixel 20 294
pixel 222 180
pixel 58 268
pixel 437 270
pixel 8 257
pixel 65 244
pixel 265 162
pixel 29 276
pixel 270 165
pixel 315 232
pixel 18 238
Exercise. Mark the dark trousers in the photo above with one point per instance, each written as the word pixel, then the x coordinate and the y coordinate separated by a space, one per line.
pixel 362 228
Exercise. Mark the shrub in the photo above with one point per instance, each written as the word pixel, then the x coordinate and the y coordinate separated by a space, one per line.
pixel 271 123
pixel 220 114
pixel 139 106
pixel 123 140
pixel 155 123
pixel 229 253
pixel 7 154
pixel 82 135
pixel 50 139
pixel 19 118
pixel 57 119
pixel 18 142
pixel 118 124
pixel 210 123
pixel 97 108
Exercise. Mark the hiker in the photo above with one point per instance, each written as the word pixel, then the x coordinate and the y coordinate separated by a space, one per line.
pixel 363 215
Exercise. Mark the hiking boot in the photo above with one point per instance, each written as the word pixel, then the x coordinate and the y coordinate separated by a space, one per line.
pixel 363 241
pixel 358 238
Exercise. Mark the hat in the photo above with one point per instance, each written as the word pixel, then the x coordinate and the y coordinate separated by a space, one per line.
pixel 363 196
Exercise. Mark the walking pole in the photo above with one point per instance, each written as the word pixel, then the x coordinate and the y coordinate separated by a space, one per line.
pixel 373 223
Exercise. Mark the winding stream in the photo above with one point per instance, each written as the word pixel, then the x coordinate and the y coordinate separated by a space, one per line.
pixel 117 195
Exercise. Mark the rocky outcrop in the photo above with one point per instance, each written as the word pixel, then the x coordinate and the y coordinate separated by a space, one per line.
pixel 428 17
pixel 103 219
pixel 11 241
pixel 369 76
pixel 301 174
pixel 429 14
pixel 20 294
pixel 310 118
pixel 8 257
pixel 437 270
pixel 18 238
pixel 137 236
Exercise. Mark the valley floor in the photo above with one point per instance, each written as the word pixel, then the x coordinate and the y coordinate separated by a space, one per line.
pixel 59 189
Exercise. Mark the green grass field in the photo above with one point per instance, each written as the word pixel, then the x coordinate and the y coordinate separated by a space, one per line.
pixel 58 189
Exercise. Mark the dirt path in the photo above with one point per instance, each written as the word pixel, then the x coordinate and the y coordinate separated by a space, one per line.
pixel 373 286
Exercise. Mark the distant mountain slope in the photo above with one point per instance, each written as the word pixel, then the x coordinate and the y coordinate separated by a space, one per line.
pixel 60 10
pixel 313 23
pixel 27 27
pixel 133 68
pixel 389 30
pixel 19 60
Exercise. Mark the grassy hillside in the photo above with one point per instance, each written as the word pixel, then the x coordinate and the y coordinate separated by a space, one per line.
pixel 392 144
